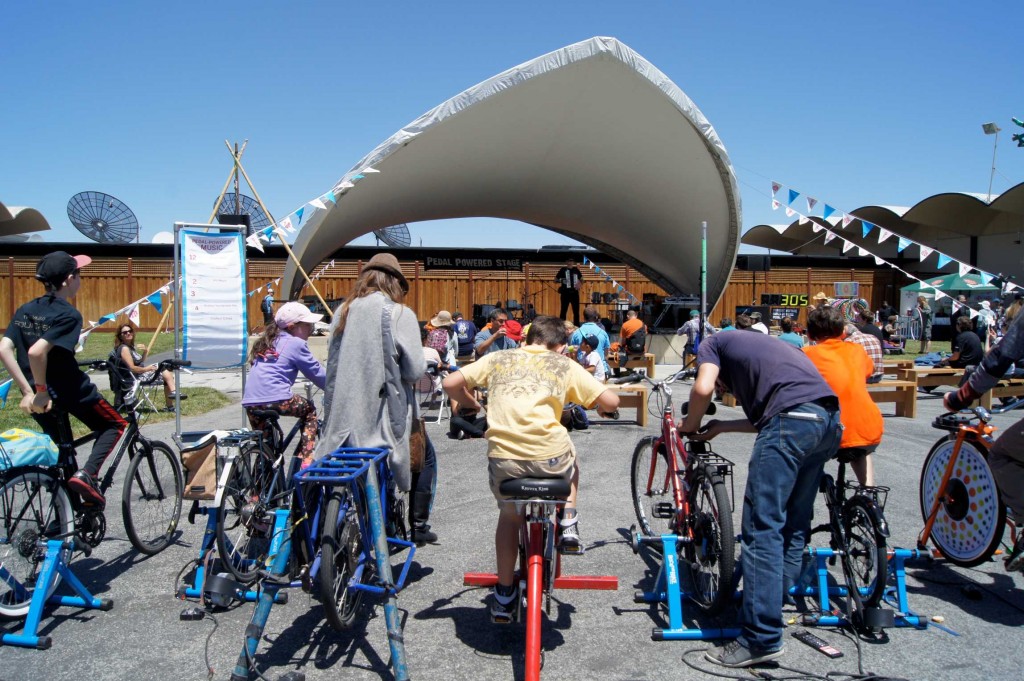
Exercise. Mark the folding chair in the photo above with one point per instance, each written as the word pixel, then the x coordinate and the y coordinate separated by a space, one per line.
pixel 127 388
pixel 429 392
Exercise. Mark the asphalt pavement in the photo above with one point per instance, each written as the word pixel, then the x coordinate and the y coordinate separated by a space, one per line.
pixel 448 635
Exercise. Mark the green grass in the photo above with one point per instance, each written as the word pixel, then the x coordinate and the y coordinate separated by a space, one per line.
pixel 200 401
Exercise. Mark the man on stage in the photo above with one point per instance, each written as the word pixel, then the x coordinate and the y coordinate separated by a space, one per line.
pixel 570 280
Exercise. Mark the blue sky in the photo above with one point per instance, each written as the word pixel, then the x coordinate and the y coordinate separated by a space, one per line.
pixel 855 104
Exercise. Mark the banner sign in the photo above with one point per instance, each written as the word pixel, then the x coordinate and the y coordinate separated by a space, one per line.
pixel 432 262
pixel 847 289
pixel 213 299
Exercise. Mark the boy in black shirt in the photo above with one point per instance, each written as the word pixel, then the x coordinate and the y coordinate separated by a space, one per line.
pixel 40 344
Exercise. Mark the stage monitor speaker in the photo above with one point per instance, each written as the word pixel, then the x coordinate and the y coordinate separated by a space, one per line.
pixel 236 219
pixel 759 263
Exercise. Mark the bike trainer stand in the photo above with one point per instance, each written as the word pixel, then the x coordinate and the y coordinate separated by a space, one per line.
pixel 667 590
pixel 200 579
pixel 902 617
pixel 54 566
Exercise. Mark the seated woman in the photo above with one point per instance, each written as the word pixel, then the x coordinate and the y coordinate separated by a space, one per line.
pixel 131 355
pixel 276 359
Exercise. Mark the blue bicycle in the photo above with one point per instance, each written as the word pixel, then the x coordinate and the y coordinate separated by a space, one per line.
pixel 345 513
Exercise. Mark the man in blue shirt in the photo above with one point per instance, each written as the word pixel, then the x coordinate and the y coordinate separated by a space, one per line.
pixel 592 326
pixel 796 417
pixel 465 332
pixel 494 336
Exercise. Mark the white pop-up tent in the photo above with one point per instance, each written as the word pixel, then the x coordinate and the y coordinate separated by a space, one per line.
pixel 590 141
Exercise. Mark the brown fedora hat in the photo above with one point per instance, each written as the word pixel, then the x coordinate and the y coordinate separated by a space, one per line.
pixel 385 262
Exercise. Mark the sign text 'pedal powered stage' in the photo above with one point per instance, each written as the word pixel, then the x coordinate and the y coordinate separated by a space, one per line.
pixel 453 263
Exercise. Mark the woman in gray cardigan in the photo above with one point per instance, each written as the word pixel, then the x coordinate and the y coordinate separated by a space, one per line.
pixel 374 359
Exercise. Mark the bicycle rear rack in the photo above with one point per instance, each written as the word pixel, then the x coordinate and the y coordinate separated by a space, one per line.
pixel 342 467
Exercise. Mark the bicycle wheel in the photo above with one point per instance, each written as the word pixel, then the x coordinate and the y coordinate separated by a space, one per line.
pixel 244 523
pixel 151 498
pixel 33 505
pixel 341 549
pixel 652 489
pixel 866 549
pixel 712 553
pixel 969 522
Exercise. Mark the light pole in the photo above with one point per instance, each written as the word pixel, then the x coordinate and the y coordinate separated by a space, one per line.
pixel 992 129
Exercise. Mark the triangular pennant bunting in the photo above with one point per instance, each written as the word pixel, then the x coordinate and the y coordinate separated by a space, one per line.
pixel 829 237
pixel 804 219
pixel 847 245
pixel 811 203
pixel 883 234
pixel 815 227
pixel 827 212
pixel 775 204
pixel 793 194
pixel 865 228
pixel 925 252
pixel 964 268
pixel 943 260
pixel 790 212
pixel 775 188
pixel 847 219
pixel 156 301
pixel 903 244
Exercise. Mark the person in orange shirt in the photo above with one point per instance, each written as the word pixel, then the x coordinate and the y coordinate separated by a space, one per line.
pixel 846 368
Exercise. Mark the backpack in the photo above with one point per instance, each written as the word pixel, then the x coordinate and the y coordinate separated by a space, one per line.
pixel 636 344
pixel 438 339
pixel 574 417
pixel 268 306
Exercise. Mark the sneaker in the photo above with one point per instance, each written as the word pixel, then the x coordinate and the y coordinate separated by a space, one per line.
pixel 503 606
pixel 86 487
pixel 570 541
pixel 180 397
pixel 1015 563
pixel 614 415
pixel 733 654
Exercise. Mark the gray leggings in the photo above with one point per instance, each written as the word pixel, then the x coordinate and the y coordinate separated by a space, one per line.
pixel 1007 462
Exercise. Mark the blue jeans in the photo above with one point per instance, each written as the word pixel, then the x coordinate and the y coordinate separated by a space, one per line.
pixel 785 469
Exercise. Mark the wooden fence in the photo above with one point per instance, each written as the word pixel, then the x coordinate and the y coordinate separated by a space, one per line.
pixel 109 284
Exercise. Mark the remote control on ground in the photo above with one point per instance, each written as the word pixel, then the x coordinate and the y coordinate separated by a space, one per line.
pixel 819 644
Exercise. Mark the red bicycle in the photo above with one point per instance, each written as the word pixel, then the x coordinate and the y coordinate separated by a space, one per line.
pixel 680 488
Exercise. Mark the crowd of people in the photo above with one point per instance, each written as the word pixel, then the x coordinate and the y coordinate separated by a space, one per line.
pixel 803 394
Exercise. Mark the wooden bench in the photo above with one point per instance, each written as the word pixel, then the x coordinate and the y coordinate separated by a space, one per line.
pixel 634 362
pixel 1007 387
pixel 932 377
pixel 634 396
pixel 902 393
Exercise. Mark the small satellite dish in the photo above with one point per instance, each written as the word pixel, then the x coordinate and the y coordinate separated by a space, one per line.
pixel 396 236
pixel 234 206
pixel 162 238
pixel 103 218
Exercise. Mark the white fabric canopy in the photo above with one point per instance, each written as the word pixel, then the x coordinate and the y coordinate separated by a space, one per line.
pixel 591 141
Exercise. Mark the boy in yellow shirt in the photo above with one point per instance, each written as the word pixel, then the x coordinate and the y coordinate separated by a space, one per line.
pixel 527 388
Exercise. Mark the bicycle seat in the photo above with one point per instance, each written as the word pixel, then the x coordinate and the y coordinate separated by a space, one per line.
pixel 952 422
pixel 266 414
pixel 535 488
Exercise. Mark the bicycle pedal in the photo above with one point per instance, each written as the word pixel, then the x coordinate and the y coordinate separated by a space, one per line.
pixel 572 550
pixel 663 509
pixel 503 619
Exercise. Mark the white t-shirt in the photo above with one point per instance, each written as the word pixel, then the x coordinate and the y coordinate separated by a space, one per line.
pixel 594 360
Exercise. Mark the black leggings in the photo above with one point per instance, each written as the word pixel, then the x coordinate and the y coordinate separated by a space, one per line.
pixel 84 402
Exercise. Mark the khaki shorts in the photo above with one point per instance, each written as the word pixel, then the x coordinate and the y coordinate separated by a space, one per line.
pixel 500 470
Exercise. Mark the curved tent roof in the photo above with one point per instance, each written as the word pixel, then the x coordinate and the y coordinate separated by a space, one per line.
pixel 591 141
pixel 18 220
pixel 941 216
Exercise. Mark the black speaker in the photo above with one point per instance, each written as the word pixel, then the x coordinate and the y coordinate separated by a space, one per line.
pixel 236 219
pixel 759 263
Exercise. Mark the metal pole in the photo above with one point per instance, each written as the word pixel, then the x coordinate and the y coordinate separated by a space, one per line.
pixel 703 284
pixel 995 145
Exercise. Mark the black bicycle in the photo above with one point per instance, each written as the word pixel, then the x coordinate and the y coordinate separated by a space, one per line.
pixel 857 536
pixel 36 503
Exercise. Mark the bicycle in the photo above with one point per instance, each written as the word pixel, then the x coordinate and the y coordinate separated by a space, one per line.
pixel 336 535
pixel 858 534
pixel 36 503
pixel 963 513
pixel 680 489
pixel 540 565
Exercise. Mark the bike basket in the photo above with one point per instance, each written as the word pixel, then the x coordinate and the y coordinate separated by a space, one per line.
pixel 341 467
pixel 20 447
pixel 877 493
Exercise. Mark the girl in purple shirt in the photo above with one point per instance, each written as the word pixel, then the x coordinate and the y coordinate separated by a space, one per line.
pixel 276 359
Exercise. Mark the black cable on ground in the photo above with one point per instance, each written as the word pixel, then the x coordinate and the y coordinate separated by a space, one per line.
pixel 206 647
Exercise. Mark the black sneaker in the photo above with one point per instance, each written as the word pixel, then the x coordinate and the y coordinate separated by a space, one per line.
pixel 1015 563
pixel 734 655
pixel 504 606
pixel 86 487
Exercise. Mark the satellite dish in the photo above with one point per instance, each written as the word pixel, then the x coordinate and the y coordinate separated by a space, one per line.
pixel 103 218
pixel 162 238
pixel 396 236
pixel 233 206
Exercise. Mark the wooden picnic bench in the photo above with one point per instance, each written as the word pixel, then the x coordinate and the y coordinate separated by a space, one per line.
pixel 932 377
pixel 902 393
pixel 645 362
pixel 633 396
